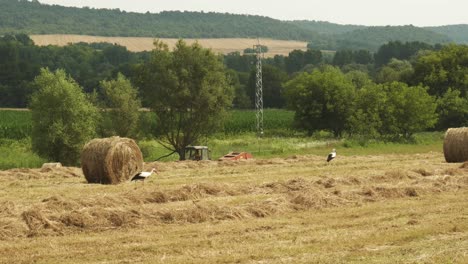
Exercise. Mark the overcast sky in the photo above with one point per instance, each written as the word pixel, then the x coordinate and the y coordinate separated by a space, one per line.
pixel 361 12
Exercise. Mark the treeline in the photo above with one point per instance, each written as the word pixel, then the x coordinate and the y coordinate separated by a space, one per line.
pixel 36 18
pixel 21 60
pixel 337 37
pixel 32 17
pixel 394 72
pixel 326 28
pixel 372 37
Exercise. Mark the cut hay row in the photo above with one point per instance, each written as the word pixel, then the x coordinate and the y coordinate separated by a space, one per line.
pixel 456 144
pixel 136 44
pixel 196 203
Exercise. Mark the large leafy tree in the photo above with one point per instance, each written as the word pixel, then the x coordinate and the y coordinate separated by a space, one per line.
pixel 188 91
pixel 395 71
pixel 63 120
pixel 123 104
pixel 297 59
pixel 452 109
pixel 444 69
pixel 370 102
pixel 399 50
pixel 408 109
pixel 322 99
pixel 241 99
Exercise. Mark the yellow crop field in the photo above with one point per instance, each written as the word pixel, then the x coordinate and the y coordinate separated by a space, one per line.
pixel 391 208
pixel 220 45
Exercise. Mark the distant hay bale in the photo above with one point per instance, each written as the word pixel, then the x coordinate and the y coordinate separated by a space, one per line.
pixel 111 160
pixel 51 165
pixel 456 144
pixel 48 167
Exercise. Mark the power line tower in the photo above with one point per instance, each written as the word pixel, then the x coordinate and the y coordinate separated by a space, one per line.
pixel 259 90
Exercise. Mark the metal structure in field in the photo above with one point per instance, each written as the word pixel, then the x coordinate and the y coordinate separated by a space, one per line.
pixel 259 90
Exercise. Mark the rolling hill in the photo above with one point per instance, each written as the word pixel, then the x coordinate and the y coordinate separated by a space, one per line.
pixel 34 18
pixel 458 33
pixel 373 37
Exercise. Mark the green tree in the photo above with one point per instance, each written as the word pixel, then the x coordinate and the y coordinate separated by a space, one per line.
pixel 63 119
pixel 343 57
pixel 363 57
pixel 123 104
pixel 395 71
pixel 359 78
pixel 297 59
pixel 273 79
pixel 440 70
pixel 452 109
pixel 188 91
pixel 398 50
pixel 370 102
pixel 322 99
pixel 241 99
pixel 408 109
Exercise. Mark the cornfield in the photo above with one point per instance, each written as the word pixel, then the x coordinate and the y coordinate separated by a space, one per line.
pixel 18 124
pixel 15 124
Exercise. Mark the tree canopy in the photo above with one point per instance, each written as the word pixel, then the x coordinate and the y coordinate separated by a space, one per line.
pixel 122 107
pixel 443 69
pixel 188 90
pixel 63 119
pixel 322 99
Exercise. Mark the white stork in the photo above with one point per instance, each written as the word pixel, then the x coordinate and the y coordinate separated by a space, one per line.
pixel 332 155
pixel 143 175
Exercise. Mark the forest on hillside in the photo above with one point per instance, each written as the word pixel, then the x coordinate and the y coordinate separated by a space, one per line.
pixel 32 17
pixel 36 18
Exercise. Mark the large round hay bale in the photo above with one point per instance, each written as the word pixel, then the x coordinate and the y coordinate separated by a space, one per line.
pixel 111 160
pixel 456 144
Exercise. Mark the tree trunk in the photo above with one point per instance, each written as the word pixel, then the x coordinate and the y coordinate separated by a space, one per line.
pixel 181 153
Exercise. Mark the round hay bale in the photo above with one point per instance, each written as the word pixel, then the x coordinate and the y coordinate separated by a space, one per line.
pixel 456 144
pixel 111 160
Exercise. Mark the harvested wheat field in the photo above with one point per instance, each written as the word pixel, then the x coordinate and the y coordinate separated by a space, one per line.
pixel 221 45
pixel 358 209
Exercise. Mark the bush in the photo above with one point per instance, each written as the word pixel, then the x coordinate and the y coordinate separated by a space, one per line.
pixel 63 120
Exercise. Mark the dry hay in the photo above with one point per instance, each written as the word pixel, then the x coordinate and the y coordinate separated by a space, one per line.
pixel 59 215
pixel 111 160
pixel 51 165
pixel 314 199
pixel 456 144
pixel 218 45
pixel 464 165
pixel 7 208
pixel 423 172
pixel 388 192
pixel 43 173
pixel 11 227
pixel 38 223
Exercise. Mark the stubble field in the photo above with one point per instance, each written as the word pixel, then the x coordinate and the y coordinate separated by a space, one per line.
pixel 358 209
pixel 136 44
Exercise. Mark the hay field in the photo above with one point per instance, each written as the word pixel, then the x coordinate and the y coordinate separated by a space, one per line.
pixel 220 45
pixel 358 209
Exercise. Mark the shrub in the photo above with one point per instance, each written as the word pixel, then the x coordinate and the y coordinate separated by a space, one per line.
pixel 63 120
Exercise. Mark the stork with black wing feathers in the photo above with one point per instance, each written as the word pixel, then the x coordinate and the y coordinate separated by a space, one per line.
pixel 332 155
pixel 143 175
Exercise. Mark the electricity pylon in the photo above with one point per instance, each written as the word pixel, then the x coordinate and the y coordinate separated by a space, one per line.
pixel 259 90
